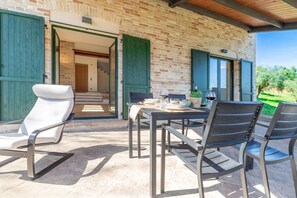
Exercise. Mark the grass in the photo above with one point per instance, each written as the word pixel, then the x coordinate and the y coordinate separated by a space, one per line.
pixel 271 101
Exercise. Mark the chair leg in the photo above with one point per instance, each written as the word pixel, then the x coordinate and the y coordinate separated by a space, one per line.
pixel 200 186
pixel 243 182
pixel 31 162
pixel 265 178
pixel 187 131
pixel 163 144
pixel 294 173
pixel 138 137
pixel 168 137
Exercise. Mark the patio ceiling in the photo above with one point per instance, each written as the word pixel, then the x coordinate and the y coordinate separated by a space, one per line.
pixel 251 15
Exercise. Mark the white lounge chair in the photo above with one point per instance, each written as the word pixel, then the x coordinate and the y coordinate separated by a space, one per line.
pixel 43 125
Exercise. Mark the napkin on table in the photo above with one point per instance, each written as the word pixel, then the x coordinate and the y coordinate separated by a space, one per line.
pixel 134 110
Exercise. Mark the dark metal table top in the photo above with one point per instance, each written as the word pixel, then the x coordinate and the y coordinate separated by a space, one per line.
pixel 163 114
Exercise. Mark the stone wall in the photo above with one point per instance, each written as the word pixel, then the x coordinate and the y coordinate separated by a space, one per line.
pixel 172 32
pixel 67 64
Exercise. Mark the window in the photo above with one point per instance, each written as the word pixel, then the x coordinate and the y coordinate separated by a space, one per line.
pixel 220 78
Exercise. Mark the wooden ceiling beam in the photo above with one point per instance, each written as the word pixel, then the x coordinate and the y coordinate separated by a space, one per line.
pixel 291 2
pixel 214 16
pixel 270 28
pixel 250 12
pixel 174 3
pixel 90 54
pixel 187 6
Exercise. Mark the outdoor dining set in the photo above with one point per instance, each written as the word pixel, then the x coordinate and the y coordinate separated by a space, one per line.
pixel 225 123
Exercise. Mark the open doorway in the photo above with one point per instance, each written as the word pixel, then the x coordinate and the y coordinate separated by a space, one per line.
pixel 87 62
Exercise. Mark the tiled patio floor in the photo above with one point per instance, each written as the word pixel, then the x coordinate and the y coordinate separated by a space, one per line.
pixel 101 167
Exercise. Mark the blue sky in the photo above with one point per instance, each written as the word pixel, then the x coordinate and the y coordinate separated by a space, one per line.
pixel 277 48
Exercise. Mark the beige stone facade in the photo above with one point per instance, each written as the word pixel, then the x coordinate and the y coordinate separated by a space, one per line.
pixel 172 33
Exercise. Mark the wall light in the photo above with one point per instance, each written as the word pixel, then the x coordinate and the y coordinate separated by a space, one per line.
pixel 224 51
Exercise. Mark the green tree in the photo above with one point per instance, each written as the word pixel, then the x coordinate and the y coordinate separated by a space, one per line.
pixel 291 86
pixel 280 75
pixel 263 78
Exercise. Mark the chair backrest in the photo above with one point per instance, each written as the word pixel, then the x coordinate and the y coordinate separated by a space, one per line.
pixel 54 104
pixel 135 97
pixel 284 122
pixel 230 123
pixel 177 96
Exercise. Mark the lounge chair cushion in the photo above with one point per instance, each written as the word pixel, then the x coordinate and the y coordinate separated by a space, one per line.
pixel 53 91
pixel 15 140
pixel 48 110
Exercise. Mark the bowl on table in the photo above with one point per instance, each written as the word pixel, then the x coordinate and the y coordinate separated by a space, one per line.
pixel 185 103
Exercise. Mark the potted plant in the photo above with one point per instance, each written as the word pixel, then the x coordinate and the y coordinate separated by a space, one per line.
pixel 195 97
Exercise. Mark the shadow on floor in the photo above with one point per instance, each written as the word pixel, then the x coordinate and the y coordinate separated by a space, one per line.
pixel 73 169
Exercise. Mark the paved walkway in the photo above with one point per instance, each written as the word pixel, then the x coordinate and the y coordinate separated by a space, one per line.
pixel 101 167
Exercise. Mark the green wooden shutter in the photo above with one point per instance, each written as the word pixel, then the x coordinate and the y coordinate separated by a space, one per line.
pixel 136 68
pixel 199 71
pixel 246 80
pixel 21 62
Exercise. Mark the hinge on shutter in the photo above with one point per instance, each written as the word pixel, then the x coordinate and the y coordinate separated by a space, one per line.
pixel 45 26
pixel 45 76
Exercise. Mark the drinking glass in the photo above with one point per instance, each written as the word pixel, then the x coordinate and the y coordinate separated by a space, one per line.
pixel 210 96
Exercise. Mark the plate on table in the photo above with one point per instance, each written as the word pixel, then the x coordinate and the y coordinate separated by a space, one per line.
pixel 150 101
pixel 176 107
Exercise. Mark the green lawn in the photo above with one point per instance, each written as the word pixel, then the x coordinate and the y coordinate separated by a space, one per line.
pixel 271 101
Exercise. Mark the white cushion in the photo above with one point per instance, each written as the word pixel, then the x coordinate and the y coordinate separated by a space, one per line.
pixel 53 91
pixel 47 111
pixel 15 140
pixel 54 105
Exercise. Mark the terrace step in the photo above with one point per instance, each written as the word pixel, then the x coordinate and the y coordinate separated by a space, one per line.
pixel 90 98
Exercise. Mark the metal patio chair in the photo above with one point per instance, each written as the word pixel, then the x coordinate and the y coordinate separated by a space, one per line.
pixel 135 97
pixel 42 126
pixel 282 126
pixel 228 124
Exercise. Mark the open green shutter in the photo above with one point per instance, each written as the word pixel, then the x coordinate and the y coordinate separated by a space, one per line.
pixel 136 67
pixel 199 71
pixel 21 62
pixel 246 80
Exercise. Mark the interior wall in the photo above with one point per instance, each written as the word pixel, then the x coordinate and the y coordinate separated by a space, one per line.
pixel 67 67
pixel 92 70
pixel 103 81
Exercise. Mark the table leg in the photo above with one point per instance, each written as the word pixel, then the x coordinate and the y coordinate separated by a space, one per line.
pixel 130 125
pixel 183 129
pixel 249 163
pixel 153 156
pixel 138 136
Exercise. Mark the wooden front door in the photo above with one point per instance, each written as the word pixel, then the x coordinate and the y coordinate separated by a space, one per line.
pixel 81 78
pixel 21 62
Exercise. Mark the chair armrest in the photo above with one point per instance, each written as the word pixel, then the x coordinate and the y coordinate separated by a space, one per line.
pixel 11 122
pixel 185 139
pixel 35 133
pixel 263 124
pixel 259 137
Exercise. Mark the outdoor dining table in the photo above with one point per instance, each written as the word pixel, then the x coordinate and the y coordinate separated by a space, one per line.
pixel 155 114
